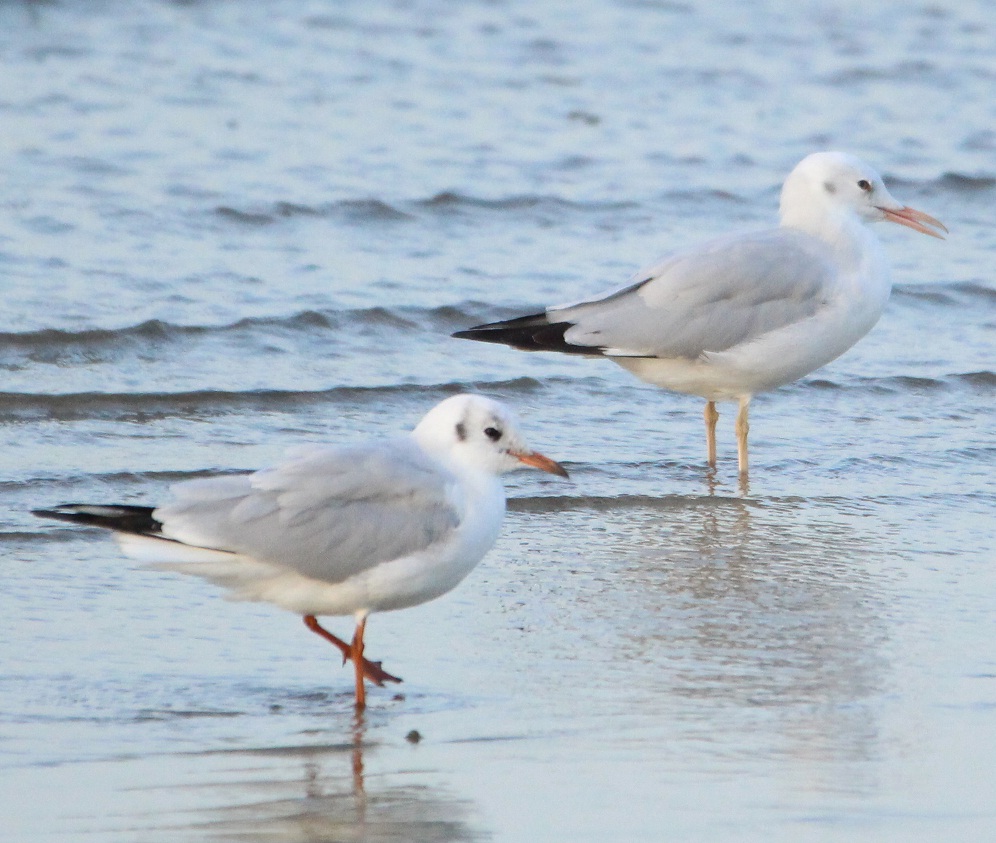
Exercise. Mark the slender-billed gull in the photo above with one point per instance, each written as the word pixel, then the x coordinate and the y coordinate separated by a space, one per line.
pixel 744 313
pixel 341 530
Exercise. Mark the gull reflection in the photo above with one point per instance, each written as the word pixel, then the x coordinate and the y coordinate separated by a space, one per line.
pixel 760 623
pixel 771 617
pixel 316 793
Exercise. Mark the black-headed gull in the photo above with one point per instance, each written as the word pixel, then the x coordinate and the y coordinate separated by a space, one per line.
pixel 341 530
pixel 745 313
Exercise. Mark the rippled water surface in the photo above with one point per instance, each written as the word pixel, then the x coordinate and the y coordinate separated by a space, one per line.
pixel 230 228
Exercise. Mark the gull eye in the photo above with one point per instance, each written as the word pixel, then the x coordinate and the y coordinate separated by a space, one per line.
pixel 865 185
pixel 493 433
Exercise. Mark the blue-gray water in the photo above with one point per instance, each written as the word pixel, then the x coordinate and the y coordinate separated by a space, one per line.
pixel 226 228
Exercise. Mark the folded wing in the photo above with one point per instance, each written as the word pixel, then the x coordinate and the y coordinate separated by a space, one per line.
pixel 327 513
pixel 713 298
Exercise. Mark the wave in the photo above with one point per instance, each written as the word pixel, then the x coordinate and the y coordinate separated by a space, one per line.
pixel 921 70
pixel 976 381
pixel 961 183
pixel 963 293
pixel 116 478
pixel 379 211
pixel 156 331
pixel 348 210
pixel 448 200
pixel 947 182
pixel 983 379
pixel 22 406
pixel 966 185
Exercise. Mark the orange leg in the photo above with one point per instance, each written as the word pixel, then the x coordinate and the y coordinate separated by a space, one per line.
pixel 357 648
pixel 354 652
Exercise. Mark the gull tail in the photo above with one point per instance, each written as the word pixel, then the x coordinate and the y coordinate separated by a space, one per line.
pixel 121 518
pixel 528 333
pixel 140 536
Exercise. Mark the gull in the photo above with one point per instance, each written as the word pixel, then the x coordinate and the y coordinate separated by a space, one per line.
pixel 744 313
pixel 345 530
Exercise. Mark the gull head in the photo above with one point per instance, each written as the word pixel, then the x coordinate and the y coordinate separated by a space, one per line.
pixel 826 188
pixel 479 433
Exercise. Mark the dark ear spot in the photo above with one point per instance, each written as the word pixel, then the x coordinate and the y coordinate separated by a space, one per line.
pixel 828 187
pixel 461 431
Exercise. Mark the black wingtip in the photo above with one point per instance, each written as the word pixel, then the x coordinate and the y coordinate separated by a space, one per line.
pixel 528 333
pixel 123 518
pixel 496 331
pixel 469 333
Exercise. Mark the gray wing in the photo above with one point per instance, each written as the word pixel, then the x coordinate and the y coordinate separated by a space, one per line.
pixel 327 513
pixel 725 293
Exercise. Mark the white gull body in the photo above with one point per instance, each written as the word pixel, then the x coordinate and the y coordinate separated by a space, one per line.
pixel 745 313
pixel 341 530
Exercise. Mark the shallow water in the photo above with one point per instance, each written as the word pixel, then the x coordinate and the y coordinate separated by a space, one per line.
pixel 230 228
